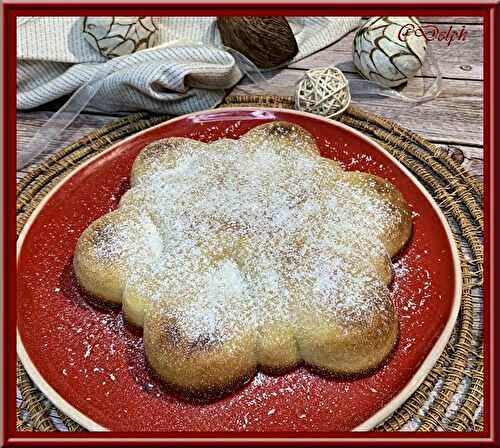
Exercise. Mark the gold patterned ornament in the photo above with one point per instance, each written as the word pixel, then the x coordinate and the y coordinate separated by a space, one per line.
pixel 389 50
pixel 323 91
pixel 118 36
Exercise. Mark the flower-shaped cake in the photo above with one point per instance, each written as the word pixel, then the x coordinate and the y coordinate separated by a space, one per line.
pixel 246 254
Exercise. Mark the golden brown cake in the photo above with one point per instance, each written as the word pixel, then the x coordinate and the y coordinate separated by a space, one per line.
pixel 249 254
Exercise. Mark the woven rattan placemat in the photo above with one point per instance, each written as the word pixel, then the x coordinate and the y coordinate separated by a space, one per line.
pixel 450 398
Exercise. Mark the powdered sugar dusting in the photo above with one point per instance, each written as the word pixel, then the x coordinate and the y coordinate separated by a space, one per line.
pixel 248 233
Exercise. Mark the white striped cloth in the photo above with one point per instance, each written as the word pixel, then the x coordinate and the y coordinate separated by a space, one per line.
pixel 53 60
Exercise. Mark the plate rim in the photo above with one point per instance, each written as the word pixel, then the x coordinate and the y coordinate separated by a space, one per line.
pixel 382 414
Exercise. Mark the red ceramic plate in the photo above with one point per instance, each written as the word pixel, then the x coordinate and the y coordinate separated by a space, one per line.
pixel 92 367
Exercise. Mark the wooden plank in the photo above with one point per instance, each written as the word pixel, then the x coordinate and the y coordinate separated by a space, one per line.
pixel 471 157
pixel 456 116
pixel 464 151
pixel 454 19
pixel 446 19
pixel 28 123
pixel 460 60
pixel 475 167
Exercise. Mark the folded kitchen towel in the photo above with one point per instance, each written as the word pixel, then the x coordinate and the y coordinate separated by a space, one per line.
pixel 54 60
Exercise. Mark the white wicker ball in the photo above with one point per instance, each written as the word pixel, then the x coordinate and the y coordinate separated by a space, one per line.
pixel 118 36
pixel 389 50
pixel 323 91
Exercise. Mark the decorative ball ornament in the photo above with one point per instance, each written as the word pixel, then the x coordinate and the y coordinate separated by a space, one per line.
pixel 267 41
pixel 323 91
pixel 118 36
pixel 389 50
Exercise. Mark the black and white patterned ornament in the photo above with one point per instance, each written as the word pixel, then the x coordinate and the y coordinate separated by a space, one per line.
pixel 118 36
pixel 389 50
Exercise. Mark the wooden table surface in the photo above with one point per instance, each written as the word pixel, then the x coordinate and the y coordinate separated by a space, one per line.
pixel 454 120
